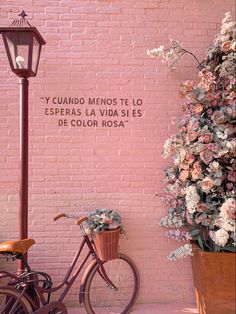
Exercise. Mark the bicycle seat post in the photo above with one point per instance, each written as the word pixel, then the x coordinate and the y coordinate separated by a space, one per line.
pixel 22 265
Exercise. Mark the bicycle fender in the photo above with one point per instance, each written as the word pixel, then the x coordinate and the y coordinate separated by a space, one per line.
pixel 83 280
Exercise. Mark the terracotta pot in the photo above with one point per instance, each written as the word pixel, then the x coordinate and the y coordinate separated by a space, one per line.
pixel 214 281
pixel 106 244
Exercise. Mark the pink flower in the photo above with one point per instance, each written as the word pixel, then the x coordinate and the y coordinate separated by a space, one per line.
pixel 207 184
pixel 232 96
pixel 193 130
pixel 218 117
pixel 189 158
pixel 206 156
pixel 230 208
pixel 209 96
pixel 188 85
pixel 197 166
pixel 214 103
pixel 231 112
pixel 189 218
pixel 226 46
pixel 197 108
pixel 206 138
pixel 201 220
pixel 113 225
pixel 201 207
pixel 229 186
pixel 212 147
pixel 196 174
pixel 217 96
pixel 181 94
pixel 232 176
pixel 183 176
pixel 192 135
pixel 231 78
pixel 106 219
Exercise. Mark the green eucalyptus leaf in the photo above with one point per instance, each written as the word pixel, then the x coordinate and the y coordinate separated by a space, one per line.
pixel 200 243
pixel 230 249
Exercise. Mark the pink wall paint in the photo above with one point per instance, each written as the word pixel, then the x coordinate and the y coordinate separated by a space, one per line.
pixel 97 49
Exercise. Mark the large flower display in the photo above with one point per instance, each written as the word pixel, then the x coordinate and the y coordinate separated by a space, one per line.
pixel 200 181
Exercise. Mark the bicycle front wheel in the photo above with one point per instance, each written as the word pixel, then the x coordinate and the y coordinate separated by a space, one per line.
pixel 101 298
pixel 11 304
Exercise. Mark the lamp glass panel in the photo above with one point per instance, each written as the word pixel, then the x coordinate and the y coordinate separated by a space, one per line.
pixel 35 55
pixel 18 43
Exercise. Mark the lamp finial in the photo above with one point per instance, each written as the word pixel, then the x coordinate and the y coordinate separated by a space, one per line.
pixel 21 21
pixel 23 14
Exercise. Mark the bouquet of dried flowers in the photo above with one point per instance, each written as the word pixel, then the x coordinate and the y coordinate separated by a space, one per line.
pixel 104 219
pixel 200 180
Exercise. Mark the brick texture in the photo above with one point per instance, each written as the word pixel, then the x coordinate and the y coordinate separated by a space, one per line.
pixel 94 71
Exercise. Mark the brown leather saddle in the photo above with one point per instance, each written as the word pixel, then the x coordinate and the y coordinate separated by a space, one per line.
pixel 16 247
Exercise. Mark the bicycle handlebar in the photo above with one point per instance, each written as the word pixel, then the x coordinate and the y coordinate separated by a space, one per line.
pixel 78 221
pixel 59 216
pixel 81 220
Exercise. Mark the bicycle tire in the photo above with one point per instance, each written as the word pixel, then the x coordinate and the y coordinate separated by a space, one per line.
pixel 99 298
pixel 8 298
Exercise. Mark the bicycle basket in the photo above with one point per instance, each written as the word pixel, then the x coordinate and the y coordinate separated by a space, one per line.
pixel 106 244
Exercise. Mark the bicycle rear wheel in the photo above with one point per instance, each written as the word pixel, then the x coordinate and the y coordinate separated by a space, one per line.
pixel 102 298
pixel 10 303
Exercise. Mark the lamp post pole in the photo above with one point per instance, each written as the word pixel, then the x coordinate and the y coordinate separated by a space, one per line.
pixel 24 148
pixel 24 160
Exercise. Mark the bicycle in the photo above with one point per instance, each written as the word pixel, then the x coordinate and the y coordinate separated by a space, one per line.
pixel 106 286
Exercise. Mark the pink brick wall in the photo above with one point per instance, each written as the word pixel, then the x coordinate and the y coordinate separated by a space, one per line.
pixel 97 49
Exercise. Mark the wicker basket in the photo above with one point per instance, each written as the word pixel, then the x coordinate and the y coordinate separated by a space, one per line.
pixel 106 244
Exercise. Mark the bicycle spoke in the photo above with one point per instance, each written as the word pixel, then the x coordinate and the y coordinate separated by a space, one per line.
pixel 19 310
pixel 12 302
pixel 102 298
pixel 3 305
pixel 14 307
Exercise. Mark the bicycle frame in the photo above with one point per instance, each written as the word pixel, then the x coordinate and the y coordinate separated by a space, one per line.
pixel 29 279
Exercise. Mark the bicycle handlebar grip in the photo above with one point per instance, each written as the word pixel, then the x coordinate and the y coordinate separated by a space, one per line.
pixel 59 216
pixel 81 220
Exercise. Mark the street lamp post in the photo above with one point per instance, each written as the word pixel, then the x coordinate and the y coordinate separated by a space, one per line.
pixel 23 45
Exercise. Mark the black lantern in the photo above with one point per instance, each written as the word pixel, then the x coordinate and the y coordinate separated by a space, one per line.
pixel 23 46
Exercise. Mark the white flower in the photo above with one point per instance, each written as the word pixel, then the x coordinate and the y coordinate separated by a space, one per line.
pixel 171 221
pixel 183 251
pixel 167 148
pixel 228 209
pixel 221 135
pixel 214 166
pixel 220 237
pixel 231 145
pixel 221 153
pixel 192 199
pixel 207 184
pixel 226 219
pixel 227 18
pixel 156 51
pixel 179 158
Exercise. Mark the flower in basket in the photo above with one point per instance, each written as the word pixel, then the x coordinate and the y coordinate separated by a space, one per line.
pixel 105 226
pixel 103 220
pixel 200 180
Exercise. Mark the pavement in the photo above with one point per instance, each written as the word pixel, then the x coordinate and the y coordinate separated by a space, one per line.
pixel 152 309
